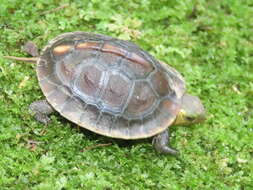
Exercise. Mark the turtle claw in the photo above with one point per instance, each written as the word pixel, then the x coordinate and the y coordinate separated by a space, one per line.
pixel 168 150
pixel 160 143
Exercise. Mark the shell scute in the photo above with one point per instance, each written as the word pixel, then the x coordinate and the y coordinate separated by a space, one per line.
pixel 61 50
pixel 141 101
pixel 160 83
pixel 108 48
pixel 88 83
pixel 116 91
pixel 88 45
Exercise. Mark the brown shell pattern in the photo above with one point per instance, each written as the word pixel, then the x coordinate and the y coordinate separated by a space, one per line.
pixel 109 86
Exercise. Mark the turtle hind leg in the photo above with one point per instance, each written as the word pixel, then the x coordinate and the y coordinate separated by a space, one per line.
pixel 160 143
pixel 41 109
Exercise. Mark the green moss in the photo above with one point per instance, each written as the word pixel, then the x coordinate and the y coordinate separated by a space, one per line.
pixel 209 42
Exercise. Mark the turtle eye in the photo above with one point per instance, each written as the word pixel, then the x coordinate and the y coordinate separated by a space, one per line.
pixel 191 119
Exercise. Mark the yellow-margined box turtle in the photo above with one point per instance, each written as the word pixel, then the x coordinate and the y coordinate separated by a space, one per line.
pixel 113 88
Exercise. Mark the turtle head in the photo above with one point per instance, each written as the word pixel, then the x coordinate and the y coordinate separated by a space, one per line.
pixel 192 111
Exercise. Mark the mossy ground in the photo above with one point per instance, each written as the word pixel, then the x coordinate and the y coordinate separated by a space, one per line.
pixel 210 42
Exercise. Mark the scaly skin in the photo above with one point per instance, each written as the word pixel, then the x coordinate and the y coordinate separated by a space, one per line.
pixel 41 109
pixel 160 143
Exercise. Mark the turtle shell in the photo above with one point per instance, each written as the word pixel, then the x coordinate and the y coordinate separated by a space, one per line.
pixel 109 86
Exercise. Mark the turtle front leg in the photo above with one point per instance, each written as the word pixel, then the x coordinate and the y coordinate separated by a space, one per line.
pixel 41 109
pixel 160 143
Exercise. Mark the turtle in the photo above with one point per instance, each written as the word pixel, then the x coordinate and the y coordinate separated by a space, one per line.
pixel 112 87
